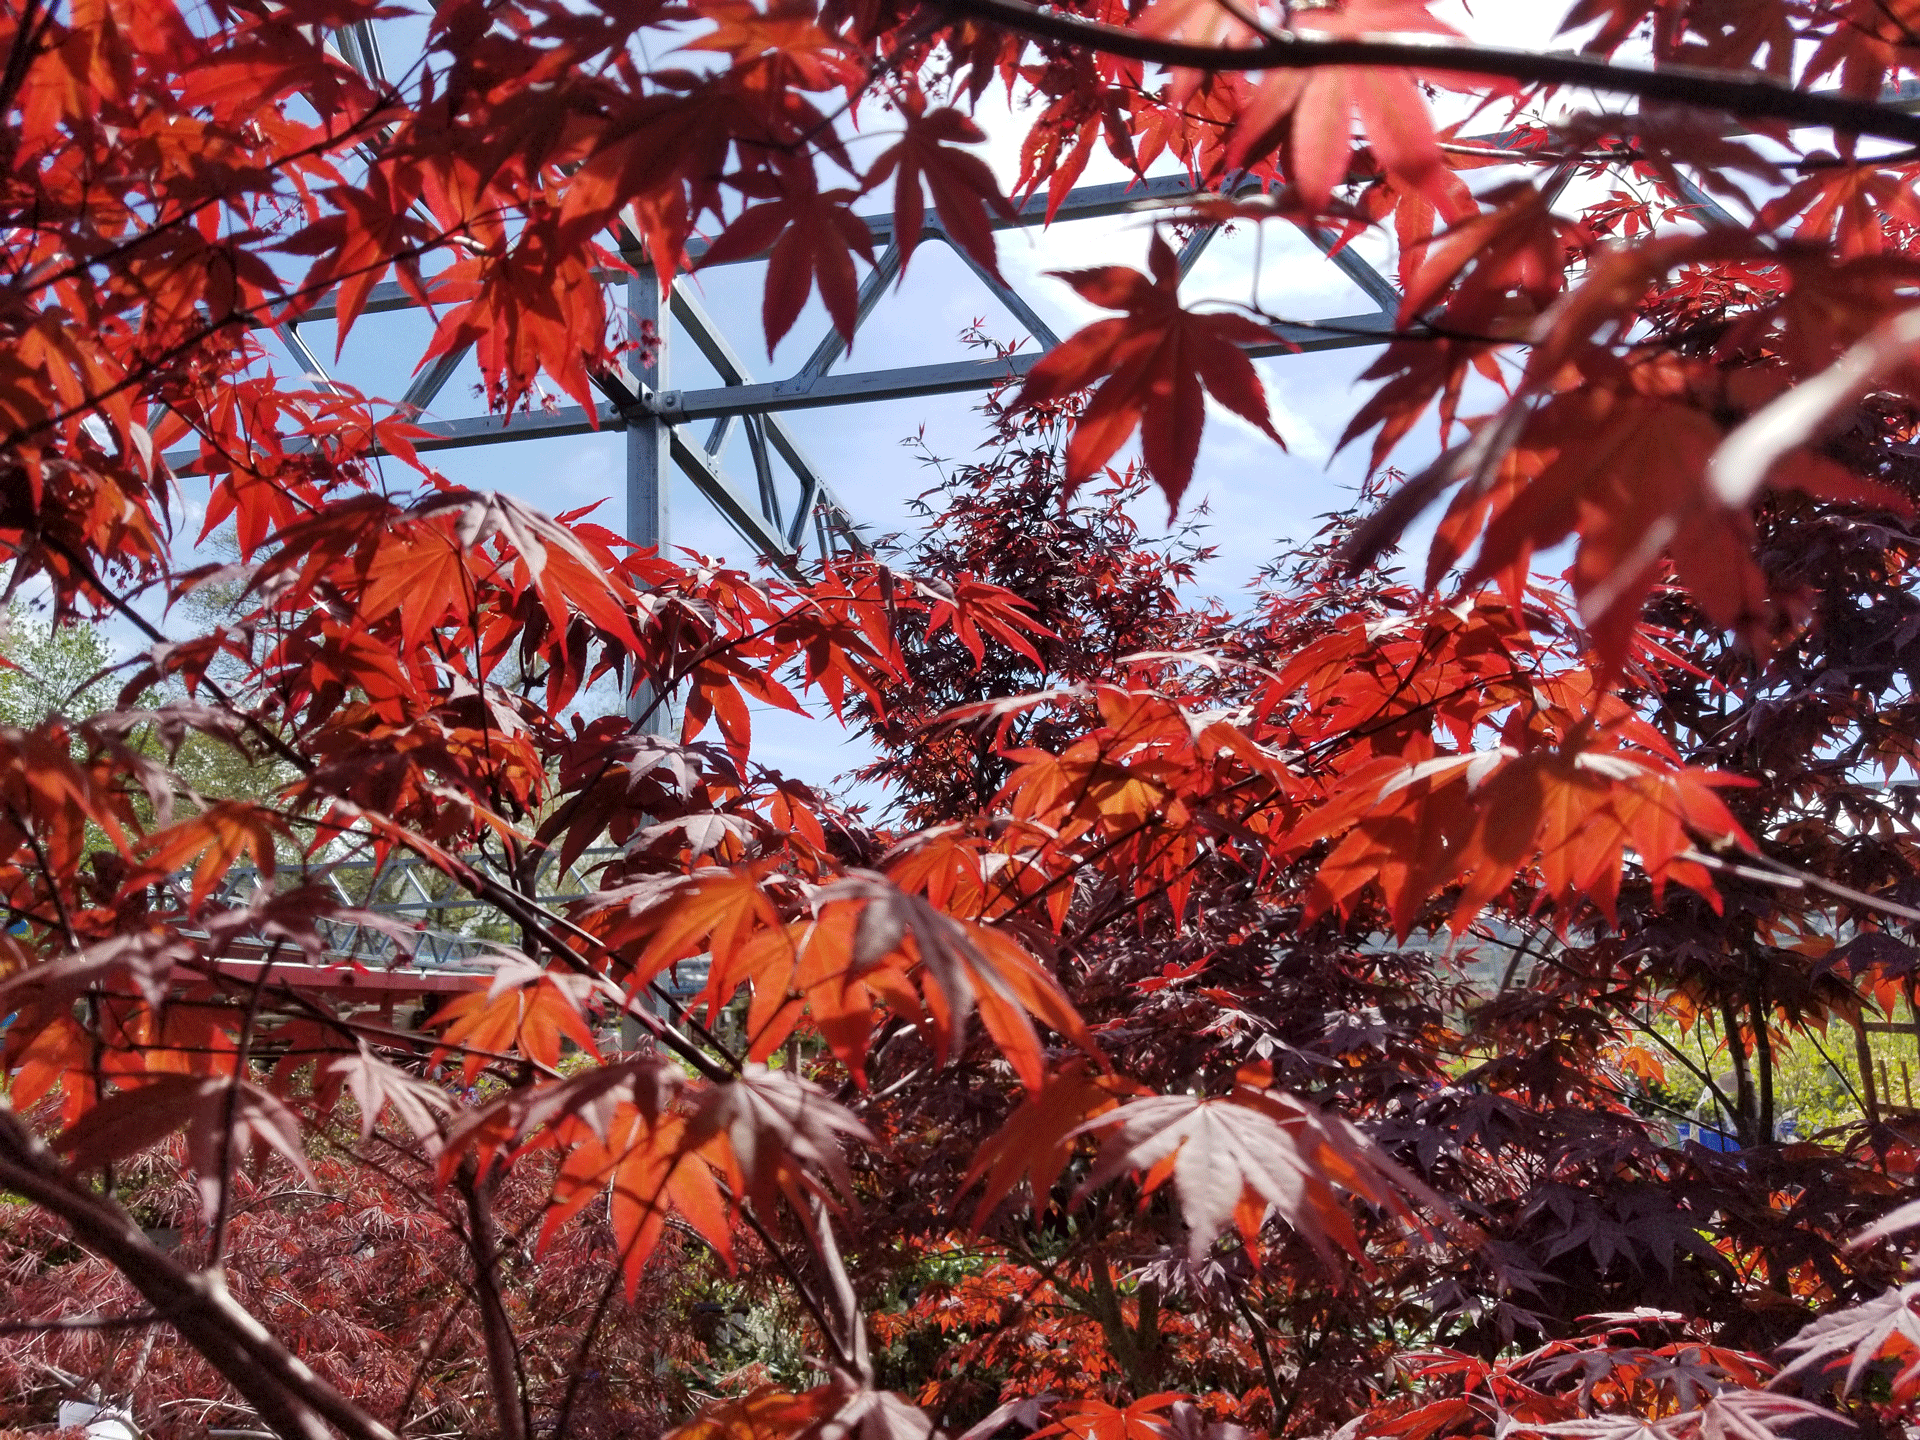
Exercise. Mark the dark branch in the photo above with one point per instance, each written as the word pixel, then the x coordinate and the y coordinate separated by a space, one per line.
pixel 1751 97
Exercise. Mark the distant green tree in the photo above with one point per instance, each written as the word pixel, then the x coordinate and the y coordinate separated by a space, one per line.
pixel 47 669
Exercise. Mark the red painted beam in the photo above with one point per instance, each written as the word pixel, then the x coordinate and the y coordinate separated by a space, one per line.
pixel 337 979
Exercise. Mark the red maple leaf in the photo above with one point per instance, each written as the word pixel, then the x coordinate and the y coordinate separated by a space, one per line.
pixel 963 187
pixel 1314 108
pixel 809 236
pixel 1157 357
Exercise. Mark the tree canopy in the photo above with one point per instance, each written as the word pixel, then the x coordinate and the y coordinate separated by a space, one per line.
pixel 1273 1018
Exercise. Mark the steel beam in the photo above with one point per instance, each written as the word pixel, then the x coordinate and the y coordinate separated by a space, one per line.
pixel 1087 202
pixel 432 380
pixel 634 409
pixel 706 336
pixel 863 387
pixel 913 381
pixel 649 495
pixel 742 513
pixel 521 425
pixel 833 345
pixel 304 357
pixel 649 448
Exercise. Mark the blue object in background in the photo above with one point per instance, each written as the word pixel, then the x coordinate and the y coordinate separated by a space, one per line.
pixel 1707 1137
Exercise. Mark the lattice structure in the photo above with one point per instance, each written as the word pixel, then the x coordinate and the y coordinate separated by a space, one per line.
pixel 452 937
pixel 783 522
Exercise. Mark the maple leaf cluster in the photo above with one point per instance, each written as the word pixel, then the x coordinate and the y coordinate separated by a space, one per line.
pixel 1277 1016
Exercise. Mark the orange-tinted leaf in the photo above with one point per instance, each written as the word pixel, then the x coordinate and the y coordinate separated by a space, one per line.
pixel 1038 1137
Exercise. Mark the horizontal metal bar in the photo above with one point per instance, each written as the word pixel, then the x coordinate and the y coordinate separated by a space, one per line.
pixel 387 296
pixel 521 425
pixel 1085 202
pixel 342 977
pixel 404 864
pixel 345 977
pixel 473 430
pixel 1343 332
pixel 806 393
pixel 462 901
pixel 803 392
pixel 1088 202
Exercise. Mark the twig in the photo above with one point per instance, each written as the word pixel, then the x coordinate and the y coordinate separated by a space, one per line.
pixel 223 1214
pixel 800 1288
pixel 505 1374
pixel 827 1248
pixel 1779 873
pixel 1257 1329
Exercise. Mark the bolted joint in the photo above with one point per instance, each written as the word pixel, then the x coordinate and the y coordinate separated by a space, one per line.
pixel 668 405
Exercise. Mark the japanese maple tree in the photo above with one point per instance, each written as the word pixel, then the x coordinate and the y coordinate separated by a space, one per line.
pixel 1140 1073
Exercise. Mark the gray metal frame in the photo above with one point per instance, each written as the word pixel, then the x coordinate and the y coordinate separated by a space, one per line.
pixel 448 928
pixel 657 418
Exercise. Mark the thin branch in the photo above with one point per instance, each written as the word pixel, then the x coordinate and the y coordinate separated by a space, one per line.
pixel 1846 1081
pixel 577 1373
pixel 1787 877
pixel 505 1375
pixel 801 1290
pixel 223 1215
pixel 1257 1328
pixel 1751 97
pixel 827 1249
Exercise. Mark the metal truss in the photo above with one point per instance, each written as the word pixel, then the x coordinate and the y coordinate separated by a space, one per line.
pixel 782 523
pixel 659 420
pixel 454 937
